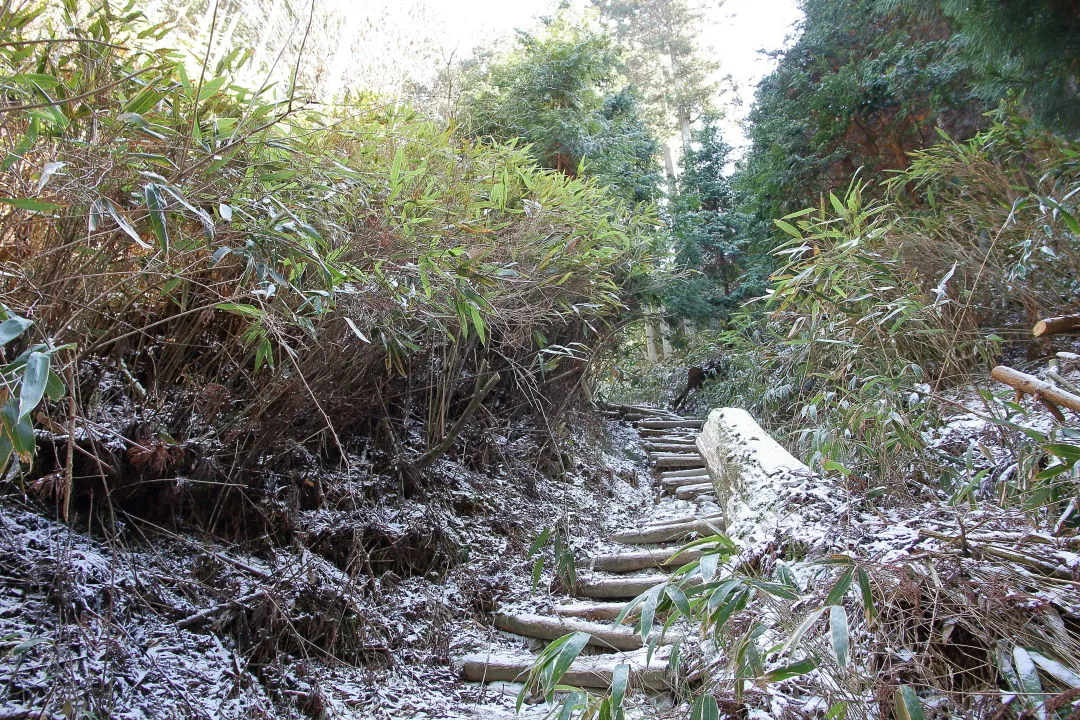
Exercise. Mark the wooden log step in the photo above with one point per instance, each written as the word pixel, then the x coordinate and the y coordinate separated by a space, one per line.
pixel 616 587
pixel 680 461
pixel 714 517
pixel 640 560
pixel 689 492
pixel 592 671
pixel 666 533
pixel 668 447
pixel 682 424
pixel 666 432
pixel 676 483
pixel 693 472
pixel 544 627
pixel 591 610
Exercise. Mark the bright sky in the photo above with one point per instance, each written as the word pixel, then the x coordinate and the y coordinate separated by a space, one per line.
pixel 734 34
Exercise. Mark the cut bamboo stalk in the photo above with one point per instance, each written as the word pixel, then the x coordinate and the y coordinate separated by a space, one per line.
pixel 543 627
pixel 1055 325
pixel 1032 385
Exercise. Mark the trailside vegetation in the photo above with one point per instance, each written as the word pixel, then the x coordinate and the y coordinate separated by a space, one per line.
pixel 219 278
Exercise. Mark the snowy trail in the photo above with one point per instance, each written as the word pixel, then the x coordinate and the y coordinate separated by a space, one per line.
pixel 626 564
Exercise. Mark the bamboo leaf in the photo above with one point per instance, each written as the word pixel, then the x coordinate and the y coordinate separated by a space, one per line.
pixel 155 203
pixel 838 629
pixel 908 706
pixel 35 379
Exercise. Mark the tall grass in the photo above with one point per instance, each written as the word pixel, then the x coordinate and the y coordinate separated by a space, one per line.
pixel 238 275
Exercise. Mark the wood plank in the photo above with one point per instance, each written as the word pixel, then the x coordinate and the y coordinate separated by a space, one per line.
pixel 684 423
pixel 689 492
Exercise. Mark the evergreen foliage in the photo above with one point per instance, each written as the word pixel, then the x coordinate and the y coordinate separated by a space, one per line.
pixel 560 92
pixel 861 88
pixel 708 238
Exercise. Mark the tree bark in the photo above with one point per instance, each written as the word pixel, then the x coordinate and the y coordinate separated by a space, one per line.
pixel 1034 386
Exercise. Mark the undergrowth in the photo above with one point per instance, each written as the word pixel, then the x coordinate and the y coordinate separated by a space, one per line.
pixel 224 279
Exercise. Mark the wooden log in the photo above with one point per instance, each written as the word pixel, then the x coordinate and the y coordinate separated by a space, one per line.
pixel 682 461
pixel 711 517
pixel 1032 385
pixel 669 446
pixel 640 560
pixel 662 433
pixel 689 492
pixel 1055 325
pixel 671 474
pixel 616 587
pixel 666 533
pixel 592 610
pixel 543 627
pixel 684 423
pixel 586 672
pixel 674 484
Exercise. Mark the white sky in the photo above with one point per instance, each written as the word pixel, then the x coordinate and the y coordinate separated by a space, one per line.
pixel 734 35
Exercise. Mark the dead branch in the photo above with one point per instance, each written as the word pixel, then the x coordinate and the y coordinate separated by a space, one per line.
pixel 1032 385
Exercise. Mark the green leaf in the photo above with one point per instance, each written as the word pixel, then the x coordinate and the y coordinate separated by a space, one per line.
pixel 568 652
pixel 35 378
pixel 54 388
pixel 5 451
pixel 838 629
pixel 29 204
pixel 806 624
pixel 867 595
pixel 1026 671
pixel 155 203
pixel 678 597
pixel 12 328
pixel 240 309
pixel 620 677
pixel 908 706
pixel 840 588
pixel 211 88
pixel 1065 451
pixel 105 206
pixel 705 708
pixel 793 670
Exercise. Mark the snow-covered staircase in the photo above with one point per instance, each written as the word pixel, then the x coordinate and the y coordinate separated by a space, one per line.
pixel 641 559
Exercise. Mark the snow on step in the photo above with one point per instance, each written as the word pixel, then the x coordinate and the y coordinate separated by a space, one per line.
pixel 591 610
pixel 669 447
pixel 686 423
pixel 689 492
pixel 714 517
pixel 592 671
pixel 693 472
pixel 676 483
pixel 660 433
pixel 666 533
pixel 678 460
pixel 543 627
pixel 641 560
pixel 611 587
